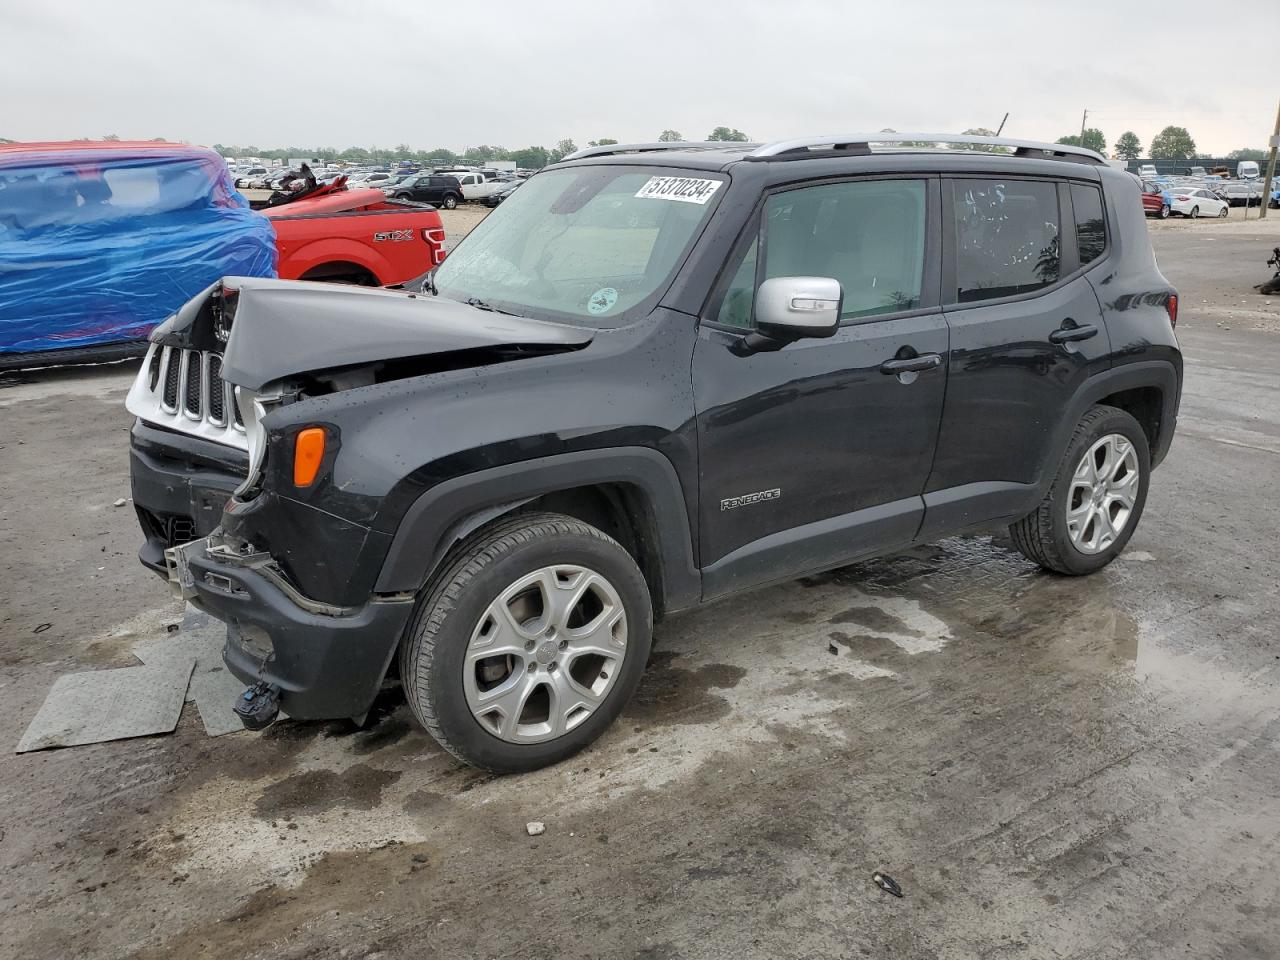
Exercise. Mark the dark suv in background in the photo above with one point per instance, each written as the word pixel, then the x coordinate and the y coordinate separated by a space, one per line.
pixel 658 374
pixel 439 188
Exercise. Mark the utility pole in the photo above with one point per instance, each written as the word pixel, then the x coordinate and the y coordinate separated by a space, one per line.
pixel 1083 120
pixel 1271 169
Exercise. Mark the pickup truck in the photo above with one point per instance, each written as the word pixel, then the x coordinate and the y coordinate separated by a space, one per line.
pixel 327 232
pixel 478 185
pixel 102 241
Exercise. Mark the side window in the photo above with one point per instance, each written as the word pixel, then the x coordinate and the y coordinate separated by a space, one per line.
pixel 868 234
pixel 739 298
pixel 1091 225
pixel 1007 236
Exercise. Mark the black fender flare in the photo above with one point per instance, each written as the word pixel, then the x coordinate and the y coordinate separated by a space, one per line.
pixel 450 510
pixel 1126 376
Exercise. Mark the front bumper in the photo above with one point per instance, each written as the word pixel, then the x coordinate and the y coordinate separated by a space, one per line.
pixel 179 485
pixel 328 662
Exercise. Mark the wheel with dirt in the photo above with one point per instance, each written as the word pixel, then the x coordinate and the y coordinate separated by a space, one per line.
pixel 1096 499
pixel 528 644
pixel 450 201
pixel 1195 212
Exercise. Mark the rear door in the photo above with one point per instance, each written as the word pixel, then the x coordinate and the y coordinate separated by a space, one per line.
pixel 817 453
pixel 1026 332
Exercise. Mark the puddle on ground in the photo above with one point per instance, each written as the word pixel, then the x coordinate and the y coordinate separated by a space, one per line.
pixel 671 694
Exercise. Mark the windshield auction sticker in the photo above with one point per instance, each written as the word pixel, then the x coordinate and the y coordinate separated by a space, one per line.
pixel 684 189
pixel 602 301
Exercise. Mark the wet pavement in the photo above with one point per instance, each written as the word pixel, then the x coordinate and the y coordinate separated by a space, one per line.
pixel 1049 767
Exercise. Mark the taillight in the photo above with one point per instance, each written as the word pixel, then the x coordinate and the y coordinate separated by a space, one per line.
pixel 1171 305
pixel 1182 199
pixel 435 237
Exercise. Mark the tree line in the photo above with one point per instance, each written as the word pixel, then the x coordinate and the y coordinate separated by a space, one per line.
pixel 1171 143
pixel 529 158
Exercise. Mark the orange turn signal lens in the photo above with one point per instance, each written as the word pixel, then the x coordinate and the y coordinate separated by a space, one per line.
pixel 308 451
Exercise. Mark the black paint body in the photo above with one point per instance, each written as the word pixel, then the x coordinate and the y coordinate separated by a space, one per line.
pixel 668 408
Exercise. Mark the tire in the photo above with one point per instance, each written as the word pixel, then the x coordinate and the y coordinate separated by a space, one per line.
pixel 450 201
pixel 1164 212
pixel 404 196
pixel 1224 211
pixel 1195 212
pixel 1044 536
pixel 504 568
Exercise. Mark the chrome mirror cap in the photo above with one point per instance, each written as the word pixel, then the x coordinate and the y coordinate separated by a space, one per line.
pixel 791 308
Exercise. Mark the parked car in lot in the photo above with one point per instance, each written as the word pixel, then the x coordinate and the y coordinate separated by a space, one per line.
pixel 246 178
pixel 1198 203
pixel 496 198
pixel 1156 201
pixel 1239 193
pixel 441 189
pixel 480 185
pixel 1147 171
pixel 478 482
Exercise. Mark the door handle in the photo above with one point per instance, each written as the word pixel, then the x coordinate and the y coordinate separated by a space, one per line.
pixel 926 361
pixel 1070 334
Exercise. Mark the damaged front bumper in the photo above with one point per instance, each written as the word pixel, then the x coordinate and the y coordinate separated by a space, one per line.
pixel 328 662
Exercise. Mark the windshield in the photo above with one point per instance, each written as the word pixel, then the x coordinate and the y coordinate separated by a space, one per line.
pixel 583 243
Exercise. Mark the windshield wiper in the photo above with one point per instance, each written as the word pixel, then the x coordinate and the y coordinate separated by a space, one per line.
pixel 481 305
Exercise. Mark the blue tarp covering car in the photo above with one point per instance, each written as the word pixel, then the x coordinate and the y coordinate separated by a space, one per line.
pixel 99 242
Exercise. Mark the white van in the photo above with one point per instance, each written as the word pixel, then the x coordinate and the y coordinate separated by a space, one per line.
pixel 1147 171
pixel 1247 169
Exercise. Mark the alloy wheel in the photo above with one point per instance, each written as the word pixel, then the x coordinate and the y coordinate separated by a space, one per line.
pixel 545 654
pixel 1103 491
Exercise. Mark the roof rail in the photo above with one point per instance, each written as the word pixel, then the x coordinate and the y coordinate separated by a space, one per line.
pixel 609 149
pixel 860 143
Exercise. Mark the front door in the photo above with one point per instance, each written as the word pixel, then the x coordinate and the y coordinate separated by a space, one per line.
pixel 814 454
pixel 1026 332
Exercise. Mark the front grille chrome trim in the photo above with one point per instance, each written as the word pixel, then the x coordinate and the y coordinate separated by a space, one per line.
pixel 148 403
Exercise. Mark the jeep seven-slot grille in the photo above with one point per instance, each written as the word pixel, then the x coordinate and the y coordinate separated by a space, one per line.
pixel 183 390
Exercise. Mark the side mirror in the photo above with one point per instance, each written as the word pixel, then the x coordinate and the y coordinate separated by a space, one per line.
pixel 793 308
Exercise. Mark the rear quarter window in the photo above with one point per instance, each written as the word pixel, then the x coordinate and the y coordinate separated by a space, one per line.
pixel 1091 224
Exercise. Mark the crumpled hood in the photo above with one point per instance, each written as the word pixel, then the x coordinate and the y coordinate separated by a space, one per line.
pixel 287 327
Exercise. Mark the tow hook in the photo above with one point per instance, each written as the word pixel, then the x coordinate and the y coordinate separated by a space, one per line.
pixel 258 706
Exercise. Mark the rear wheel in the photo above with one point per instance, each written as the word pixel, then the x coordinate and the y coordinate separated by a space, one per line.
pixel 450 201
pixel 529 645
pixel 1096 500
pixel 1195 212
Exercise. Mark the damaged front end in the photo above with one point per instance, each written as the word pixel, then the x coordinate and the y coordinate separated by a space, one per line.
pixel 290 377
pixel 315 660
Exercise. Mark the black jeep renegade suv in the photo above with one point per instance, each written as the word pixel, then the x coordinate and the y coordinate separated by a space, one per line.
pixel 656 375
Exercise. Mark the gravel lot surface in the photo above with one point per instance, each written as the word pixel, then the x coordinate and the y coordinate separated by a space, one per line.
pixel 1048 767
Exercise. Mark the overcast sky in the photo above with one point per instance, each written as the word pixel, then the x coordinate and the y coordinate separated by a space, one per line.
pixel 339 73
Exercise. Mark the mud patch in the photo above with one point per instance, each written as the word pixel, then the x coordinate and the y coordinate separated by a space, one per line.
pixel 315 791
pixel 674 695
pixel 276 919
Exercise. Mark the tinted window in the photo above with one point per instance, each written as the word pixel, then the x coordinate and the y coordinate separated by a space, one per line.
pixel 1007 237
pixel 1091 226
pixel 867 234
pixel 735 309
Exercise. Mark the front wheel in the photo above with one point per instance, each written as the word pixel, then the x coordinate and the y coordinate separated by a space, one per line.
pixel 1164 212
pixel 1223 211
pixel 1096 499
pixel 529 644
